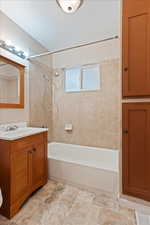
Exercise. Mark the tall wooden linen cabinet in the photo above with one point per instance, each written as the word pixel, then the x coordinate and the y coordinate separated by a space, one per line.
pixel 136 85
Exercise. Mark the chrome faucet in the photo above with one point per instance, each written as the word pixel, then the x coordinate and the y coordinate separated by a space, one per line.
pixel 11 128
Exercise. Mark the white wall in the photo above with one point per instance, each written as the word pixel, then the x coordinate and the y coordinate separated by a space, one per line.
pixel 89 54
pixel 10 31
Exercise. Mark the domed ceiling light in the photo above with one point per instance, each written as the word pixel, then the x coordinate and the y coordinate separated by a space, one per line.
pixel 69 6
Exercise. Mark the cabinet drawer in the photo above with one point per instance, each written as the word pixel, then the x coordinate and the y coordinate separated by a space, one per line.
pixel 28 141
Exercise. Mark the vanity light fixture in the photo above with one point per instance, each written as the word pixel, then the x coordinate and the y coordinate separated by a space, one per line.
pixel 69 6
pixel 7 45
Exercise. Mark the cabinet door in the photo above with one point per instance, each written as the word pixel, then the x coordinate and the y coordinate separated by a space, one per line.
pixel 39 165
pixel 136 48
pixel 136 150
pixel 20 171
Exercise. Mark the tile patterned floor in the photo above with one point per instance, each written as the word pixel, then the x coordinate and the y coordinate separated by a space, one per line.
pixel 60 204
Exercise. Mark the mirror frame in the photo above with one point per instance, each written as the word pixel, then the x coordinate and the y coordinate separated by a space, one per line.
pixel 22 72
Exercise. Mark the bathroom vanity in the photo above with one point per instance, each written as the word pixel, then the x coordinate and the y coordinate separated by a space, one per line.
pixel 23 166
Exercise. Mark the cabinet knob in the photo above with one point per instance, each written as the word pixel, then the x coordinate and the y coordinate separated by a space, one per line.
pixel 126 69
pixel 34 149
pixel 125 132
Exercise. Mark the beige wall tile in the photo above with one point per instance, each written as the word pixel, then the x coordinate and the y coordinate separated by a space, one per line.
pixel 40 90
pixel 95 115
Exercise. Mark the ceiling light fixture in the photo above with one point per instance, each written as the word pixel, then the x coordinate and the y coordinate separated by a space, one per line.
pixel 69 6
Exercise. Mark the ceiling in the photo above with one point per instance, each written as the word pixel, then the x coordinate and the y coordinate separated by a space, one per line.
pixel 48 24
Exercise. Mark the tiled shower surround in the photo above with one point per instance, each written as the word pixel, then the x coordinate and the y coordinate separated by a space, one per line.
pixel 40 89
pixel 95 115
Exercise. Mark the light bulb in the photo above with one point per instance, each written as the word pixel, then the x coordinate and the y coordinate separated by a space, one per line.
pixel 8 43
pixel 17 49
pixel 26 54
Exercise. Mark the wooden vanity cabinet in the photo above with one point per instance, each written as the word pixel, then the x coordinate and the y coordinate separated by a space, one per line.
pixel 23 169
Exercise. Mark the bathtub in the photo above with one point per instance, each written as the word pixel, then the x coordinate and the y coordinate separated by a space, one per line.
pixel 94 168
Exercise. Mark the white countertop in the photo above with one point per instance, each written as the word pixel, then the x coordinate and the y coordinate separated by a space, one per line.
pixel 20 133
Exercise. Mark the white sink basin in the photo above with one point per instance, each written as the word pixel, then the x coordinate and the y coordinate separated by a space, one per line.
pixel 20 132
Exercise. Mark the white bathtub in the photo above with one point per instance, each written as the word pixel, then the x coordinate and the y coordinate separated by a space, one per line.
pixel 85 166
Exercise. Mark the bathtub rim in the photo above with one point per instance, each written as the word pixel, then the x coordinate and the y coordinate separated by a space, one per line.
pixel 85 163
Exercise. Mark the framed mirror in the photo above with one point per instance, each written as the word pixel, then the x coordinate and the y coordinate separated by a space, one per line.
pixel 11 84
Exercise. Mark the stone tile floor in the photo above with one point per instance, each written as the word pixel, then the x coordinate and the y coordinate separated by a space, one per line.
pixel 61 204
